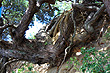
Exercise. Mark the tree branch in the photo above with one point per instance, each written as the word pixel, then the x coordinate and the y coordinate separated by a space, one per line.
pixel 36 51
pixel 88 25
pixel 26 19
pixel 107 5
pixel 84 8
pixel 6 26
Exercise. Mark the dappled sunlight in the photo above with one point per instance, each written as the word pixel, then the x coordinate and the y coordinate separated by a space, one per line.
pixel 34 29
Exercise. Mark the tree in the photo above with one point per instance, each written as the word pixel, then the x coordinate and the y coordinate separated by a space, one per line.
pixel 86 20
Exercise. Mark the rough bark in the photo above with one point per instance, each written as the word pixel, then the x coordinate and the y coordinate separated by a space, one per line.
pixel 36 51
pixel 107 4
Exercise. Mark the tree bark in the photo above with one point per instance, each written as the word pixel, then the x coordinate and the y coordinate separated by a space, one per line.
pixel 36 51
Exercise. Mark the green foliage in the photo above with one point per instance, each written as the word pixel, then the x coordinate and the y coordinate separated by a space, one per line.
pixel 45 16
pixel 30 68
pixel 62 6
pixel 73 61
pixel 14 9
pixel 20 70
pixel 13 72
pixel 94 61
pixel 45 43
pixel 27 68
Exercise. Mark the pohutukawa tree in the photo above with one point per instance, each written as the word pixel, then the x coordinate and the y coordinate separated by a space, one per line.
pixel 76 27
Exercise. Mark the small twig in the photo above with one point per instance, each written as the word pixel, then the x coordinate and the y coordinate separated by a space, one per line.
pixel 69 68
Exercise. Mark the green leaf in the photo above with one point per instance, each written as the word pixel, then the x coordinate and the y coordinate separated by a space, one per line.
pixel 30 68
pixel 23 68
pixel 71 59
pixel 71 62
pixel 67 62
pixel 67 66
pixel 107 67
pixel 19 70
pixel 75 64
pixel 82 48
pixel 13 72
pixel 75 58
pixel 45 43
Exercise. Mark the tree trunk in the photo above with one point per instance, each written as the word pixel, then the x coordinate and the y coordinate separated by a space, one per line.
pixel 77 27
